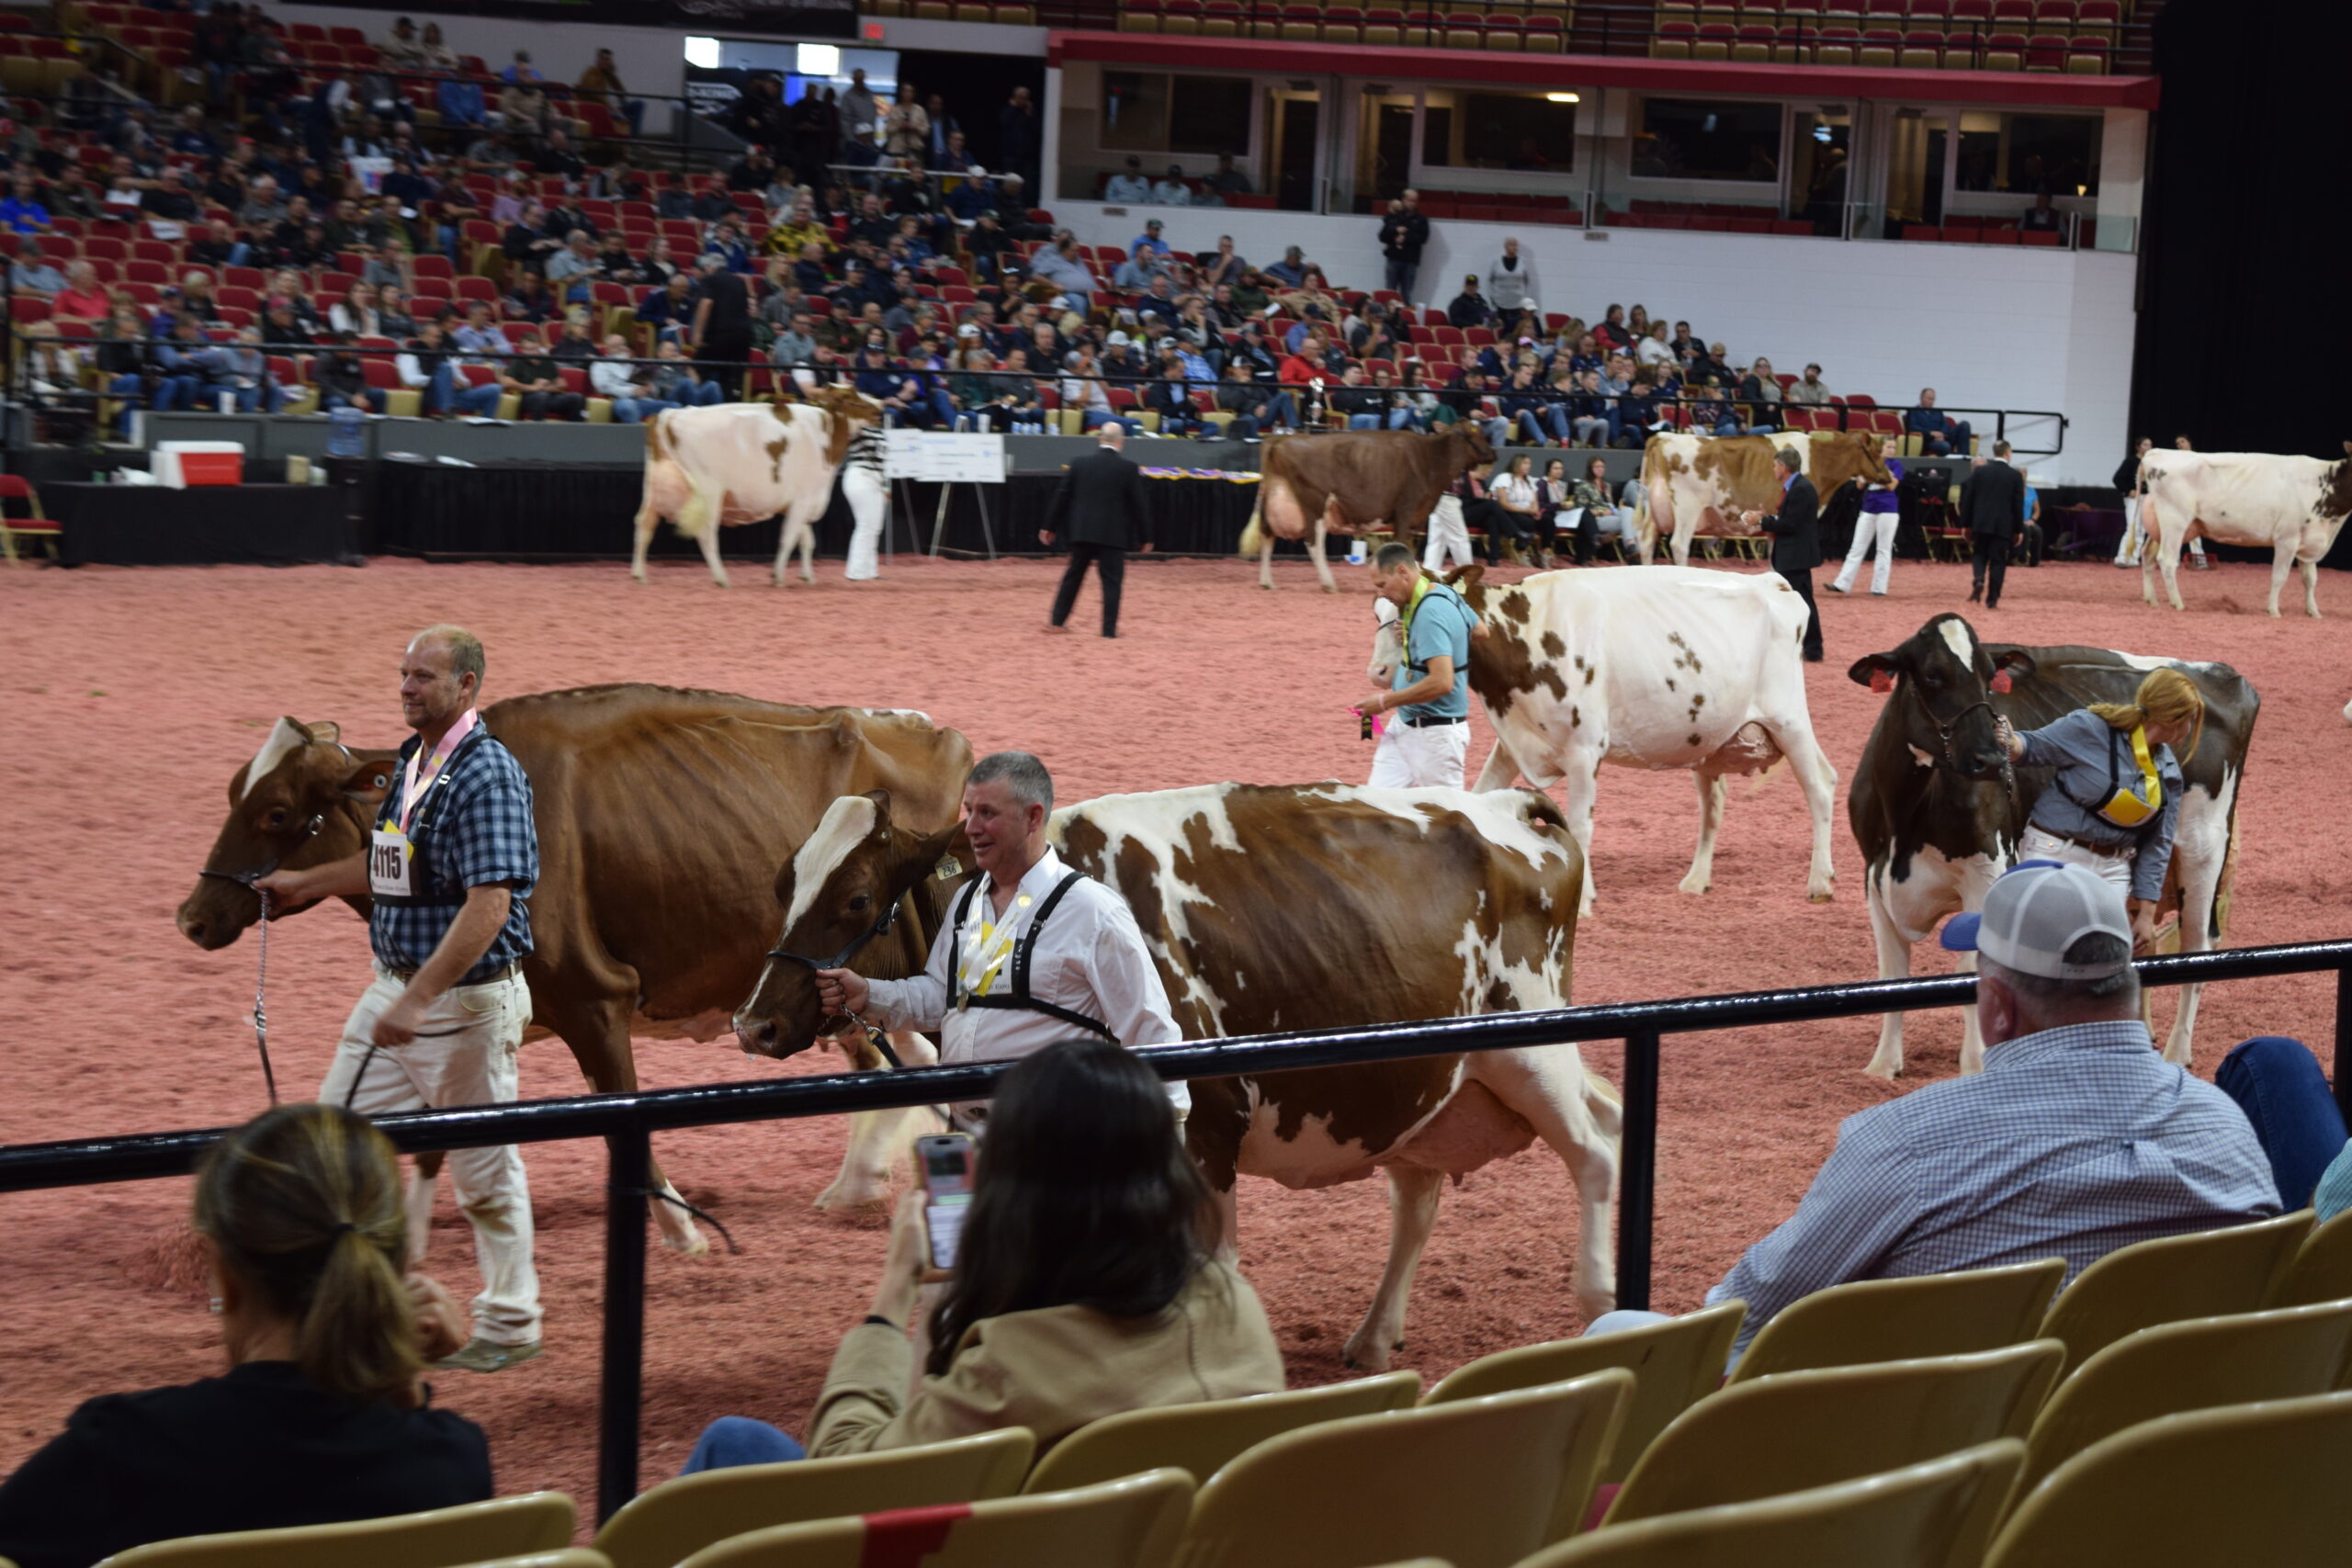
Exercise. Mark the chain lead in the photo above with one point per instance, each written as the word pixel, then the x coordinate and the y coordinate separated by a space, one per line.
pixel 261 984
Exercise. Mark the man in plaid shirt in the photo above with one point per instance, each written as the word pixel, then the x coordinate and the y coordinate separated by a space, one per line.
pixel 451 858
pixel 2076 1139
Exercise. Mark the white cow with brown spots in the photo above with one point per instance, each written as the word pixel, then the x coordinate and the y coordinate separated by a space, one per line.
pixel 2293 505
pixel 1280 908
pixel 735 463
pixel 1702 485
pixel 1671 667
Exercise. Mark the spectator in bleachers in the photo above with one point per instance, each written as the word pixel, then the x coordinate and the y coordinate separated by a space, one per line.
pixel 320 1416
pixel 434 53
pixel 1470 308
pixel 859 110
pixel 1686 346
pixel 1404 232
pixel 1058 265
pixel 906 128
pixel 399 316
pixel 530 298
pixel 1158 301
pixel 31 274
pixel 126 360
pixel 1129 186
pixel 1177 404
pixel 281 325
pixel 427 367
pixel 527 241
pixel 342 379
pixel 22 210
pixel 628 387
pixel 1957 1175
pixel 1225 180
pixel 387 266
pixel 400 47
pixel 1592 415
pixel 52 382
pixel 1612 334
pixel 1150 241
pixel 1018 139
pixel 572 269
pixel 1760 390
pixel 82 299
pixel 241 372
pixel 1083 389
pixel 1253 405
pixel 603 80
pixel 1712 366
pixel 171 201
pixel 1656 348
pixel 573 343
pixel 195 297
pixel 1939 433
pixel 1637 326
pixel 1510 282
pixel 1288 273
pixel 1809 390
pixel 2041 218
pixel 522 103
pixel 183 359
pixel 675 380
pixel 534 377
pixel 1531 415
pixel 1710 414
pixel 1171 190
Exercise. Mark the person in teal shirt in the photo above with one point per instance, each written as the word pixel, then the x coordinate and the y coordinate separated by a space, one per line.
pixel 1427 707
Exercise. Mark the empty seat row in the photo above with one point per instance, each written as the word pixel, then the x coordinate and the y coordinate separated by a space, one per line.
pixel 1538 30
pixel 1914 49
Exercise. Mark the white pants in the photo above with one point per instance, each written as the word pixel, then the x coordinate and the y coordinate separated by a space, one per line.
pixel 1407 758
pixel 463 1054
pixel 2039 845
pixel 1448 537
pixel 1879 525
pixel 869 503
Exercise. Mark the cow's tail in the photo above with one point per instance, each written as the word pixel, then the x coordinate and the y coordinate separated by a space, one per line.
pixel 1657 498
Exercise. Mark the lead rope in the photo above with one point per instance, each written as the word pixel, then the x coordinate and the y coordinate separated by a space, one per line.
pixel 261 985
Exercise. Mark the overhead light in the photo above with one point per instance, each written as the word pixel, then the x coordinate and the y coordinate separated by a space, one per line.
pixel 1561 98
pixel 703 52
pixel 818 60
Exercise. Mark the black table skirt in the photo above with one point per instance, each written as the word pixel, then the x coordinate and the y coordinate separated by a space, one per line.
pixel 201 526
pixel 524 510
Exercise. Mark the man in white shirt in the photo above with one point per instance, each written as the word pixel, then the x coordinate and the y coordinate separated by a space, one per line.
pixel 1033 951
pixel 630 386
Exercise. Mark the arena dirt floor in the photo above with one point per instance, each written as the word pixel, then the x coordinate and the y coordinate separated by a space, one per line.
pixel 136 694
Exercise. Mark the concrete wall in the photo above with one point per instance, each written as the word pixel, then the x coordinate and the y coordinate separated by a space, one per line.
pixel 1987 326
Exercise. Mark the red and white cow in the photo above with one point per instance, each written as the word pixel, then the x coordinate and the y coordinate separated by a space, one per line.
pixel 735 463
pixel 1671 667
pixel 1701 485
pixel 2295 505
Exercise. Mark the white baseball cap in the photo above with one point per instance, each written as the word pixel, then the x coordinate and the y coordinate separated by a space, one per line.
pixel 2035 912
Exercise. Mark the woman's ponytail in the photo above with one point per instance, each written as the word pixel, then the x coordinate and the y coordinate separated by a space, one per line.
pixel 303 1204
pixel 2165 696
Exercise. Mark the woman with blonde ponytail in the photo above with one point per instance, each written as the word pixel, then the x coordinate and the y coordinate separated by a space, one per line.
pixel 2114 801
pixel 322 1416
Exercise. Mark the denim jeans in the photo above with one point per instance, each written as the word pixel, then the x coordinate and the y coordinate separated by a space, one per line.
pixel 364 401
pixel 178 392
pixel 1093 417
pixel 1590 430
pixel 443 394
pixel 637 410
pixel 734 1440
pixel 237 253
pixel 701 395
pixel 2284 1091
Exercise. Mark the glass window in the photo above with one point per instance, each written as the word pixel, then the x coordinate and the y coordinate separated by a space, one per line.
pixel 1691 138
pixel 1535 132
pixel 1150 111
pixel 2027 154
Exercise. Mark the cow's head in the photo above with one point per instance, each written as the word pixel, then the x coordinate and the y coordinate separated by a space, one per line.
pixel 2339 499
pixel 1475 448
pixel 1942 683
pixel 303 800
pixel 1870 461
pixel 839 891
pixel 1387 643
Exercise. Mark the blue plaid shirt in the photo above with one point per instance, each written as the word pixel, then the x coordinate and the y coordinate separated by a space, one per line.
pixel 2072 1143
pixel 481 832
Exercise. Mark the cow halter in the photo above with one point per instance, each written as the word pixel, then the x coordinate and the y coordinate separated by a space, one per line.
pixel 1947 728
pixel 881 927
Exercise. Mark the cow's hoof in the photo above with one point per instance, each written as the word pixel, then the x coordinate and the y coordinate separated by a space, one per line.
pixel 691 1245
pixel 1824 897
pixel 1330 588
pixel 1365 1354
pixel 1267 586
pixel 845 1193
pixel 1884 1067
pixel 1694 883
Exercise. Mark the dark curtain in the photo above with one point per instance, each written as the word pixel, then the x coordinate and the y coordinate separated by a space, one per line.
pixel 2245 232
pixel 266 524
pixel 976 87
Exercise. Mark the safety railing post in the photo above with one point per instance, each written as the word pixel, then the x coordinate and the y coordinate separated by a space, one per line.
pixel 1637 1170
pixel 2341 1065
pixel 629 1177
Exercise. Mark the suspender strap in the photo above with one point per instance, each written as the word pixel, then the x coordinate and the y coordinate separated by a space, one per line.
pixel 1019 999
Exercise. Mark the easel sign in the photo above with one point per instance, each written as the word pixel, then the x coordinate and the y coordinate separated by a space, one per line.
pixel 946 458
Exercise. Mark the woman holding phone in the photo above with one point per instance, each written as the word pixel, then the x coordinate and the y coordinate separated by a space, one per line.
pixel 1084 1284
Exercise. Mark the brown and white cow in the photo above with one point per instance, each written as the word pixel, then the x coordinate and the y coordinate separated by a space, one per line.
pixel 735 463
pixel 1669 668
pixel 1353 481
pixel 661 816
pixel 2294 505
pixel 1936 822
pixel 1295 908
pixel 1699 485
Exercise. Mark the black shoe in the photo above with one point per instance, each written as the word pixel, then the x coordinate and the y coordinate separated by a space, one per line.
pixel 1814 658
pixel 1976 594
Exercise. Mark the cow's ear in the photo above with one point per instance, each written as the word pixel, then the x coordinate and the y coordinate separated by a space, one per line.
pixel 1876 670
pixel 881 799
pixel 325 729
pixel 369 782
pixel 945 855
pixel 2011 665
pixel 1462 579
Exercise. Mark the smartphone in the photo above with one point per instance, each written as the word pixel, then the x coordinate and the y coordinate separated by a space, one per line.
pixel 945 1162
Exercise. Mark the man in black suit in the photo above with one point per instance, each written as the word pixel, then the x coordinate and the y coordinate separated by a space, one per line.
pixel 1993 503
pixel 1796 539
pixel 1101 507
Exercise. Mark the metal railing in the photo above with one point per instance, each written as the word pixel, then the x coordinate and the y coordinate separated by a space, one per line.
pixel 628 1121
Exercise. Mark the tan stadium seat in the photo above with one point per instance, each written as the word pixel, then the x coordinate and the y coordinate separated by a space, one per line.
pixel 2207 1274
pixel 1133 1523
pixel 1900 1320
pixel 1674 1363
pixel 2260 1485
pixel 1201 1440
pixel 1799 1430
pixel 2196 1365
pixel 1478 1483
pixel 2322 1269
pixel 471 1532
pixel 1936 1514
pixel 677 1519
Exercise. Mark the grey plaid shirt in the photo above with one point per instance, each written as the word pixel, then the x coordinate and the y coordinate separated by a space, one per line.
pixel 2072 1143
pixel 482 831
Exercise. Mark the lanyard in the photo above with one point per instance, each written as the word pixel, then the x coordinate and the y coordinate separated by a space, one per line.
pixel 1404 622
pixel 990 943
pixel 423 770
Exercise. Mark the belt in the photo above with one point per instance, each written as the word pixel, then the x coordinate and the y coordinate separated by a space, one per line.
pixel 2111 852
pixel 405 976
pixel 1436 721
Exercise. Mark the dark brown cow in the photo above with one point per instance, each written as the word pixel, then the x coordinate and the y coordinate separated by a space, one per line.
pixel 1701 484
pixel 1282 908
pixel 661 815
pixel 1352 482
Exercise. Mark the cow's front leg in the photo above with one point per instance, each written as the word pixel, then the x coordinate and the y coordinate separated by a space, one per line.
pixel 783 554
pixel 2311 587
pixel 877 1138
pixel 1702 874
pixel 1893 963
pixel 2282 561
pixel 1412 1215
pixel 648 519
pixel 1323 528
pixel 416 1199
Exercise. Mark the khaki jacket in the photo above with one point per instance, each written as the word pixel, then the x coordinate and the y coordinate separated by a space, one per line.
pixel 1052 1370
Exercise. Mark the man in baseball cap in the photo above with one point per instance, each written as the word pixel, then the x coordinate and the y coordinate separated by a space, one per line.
pixel 2077 1138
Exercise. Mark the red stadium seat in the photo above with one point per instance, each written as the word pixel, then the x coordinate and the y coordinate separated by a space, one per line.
pixel 1922 232
pixel 1923 49
pixel 2087 56
pixel 1674 40
pixel 2004 52
pixel 2046 52
pixel 1713 43
pixel 1753 45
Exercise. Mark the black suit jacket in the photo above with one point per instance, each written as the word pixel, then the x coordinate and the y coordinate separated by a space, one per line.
pixel 1796 529
pixel 1992 501
pixel 1101 501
